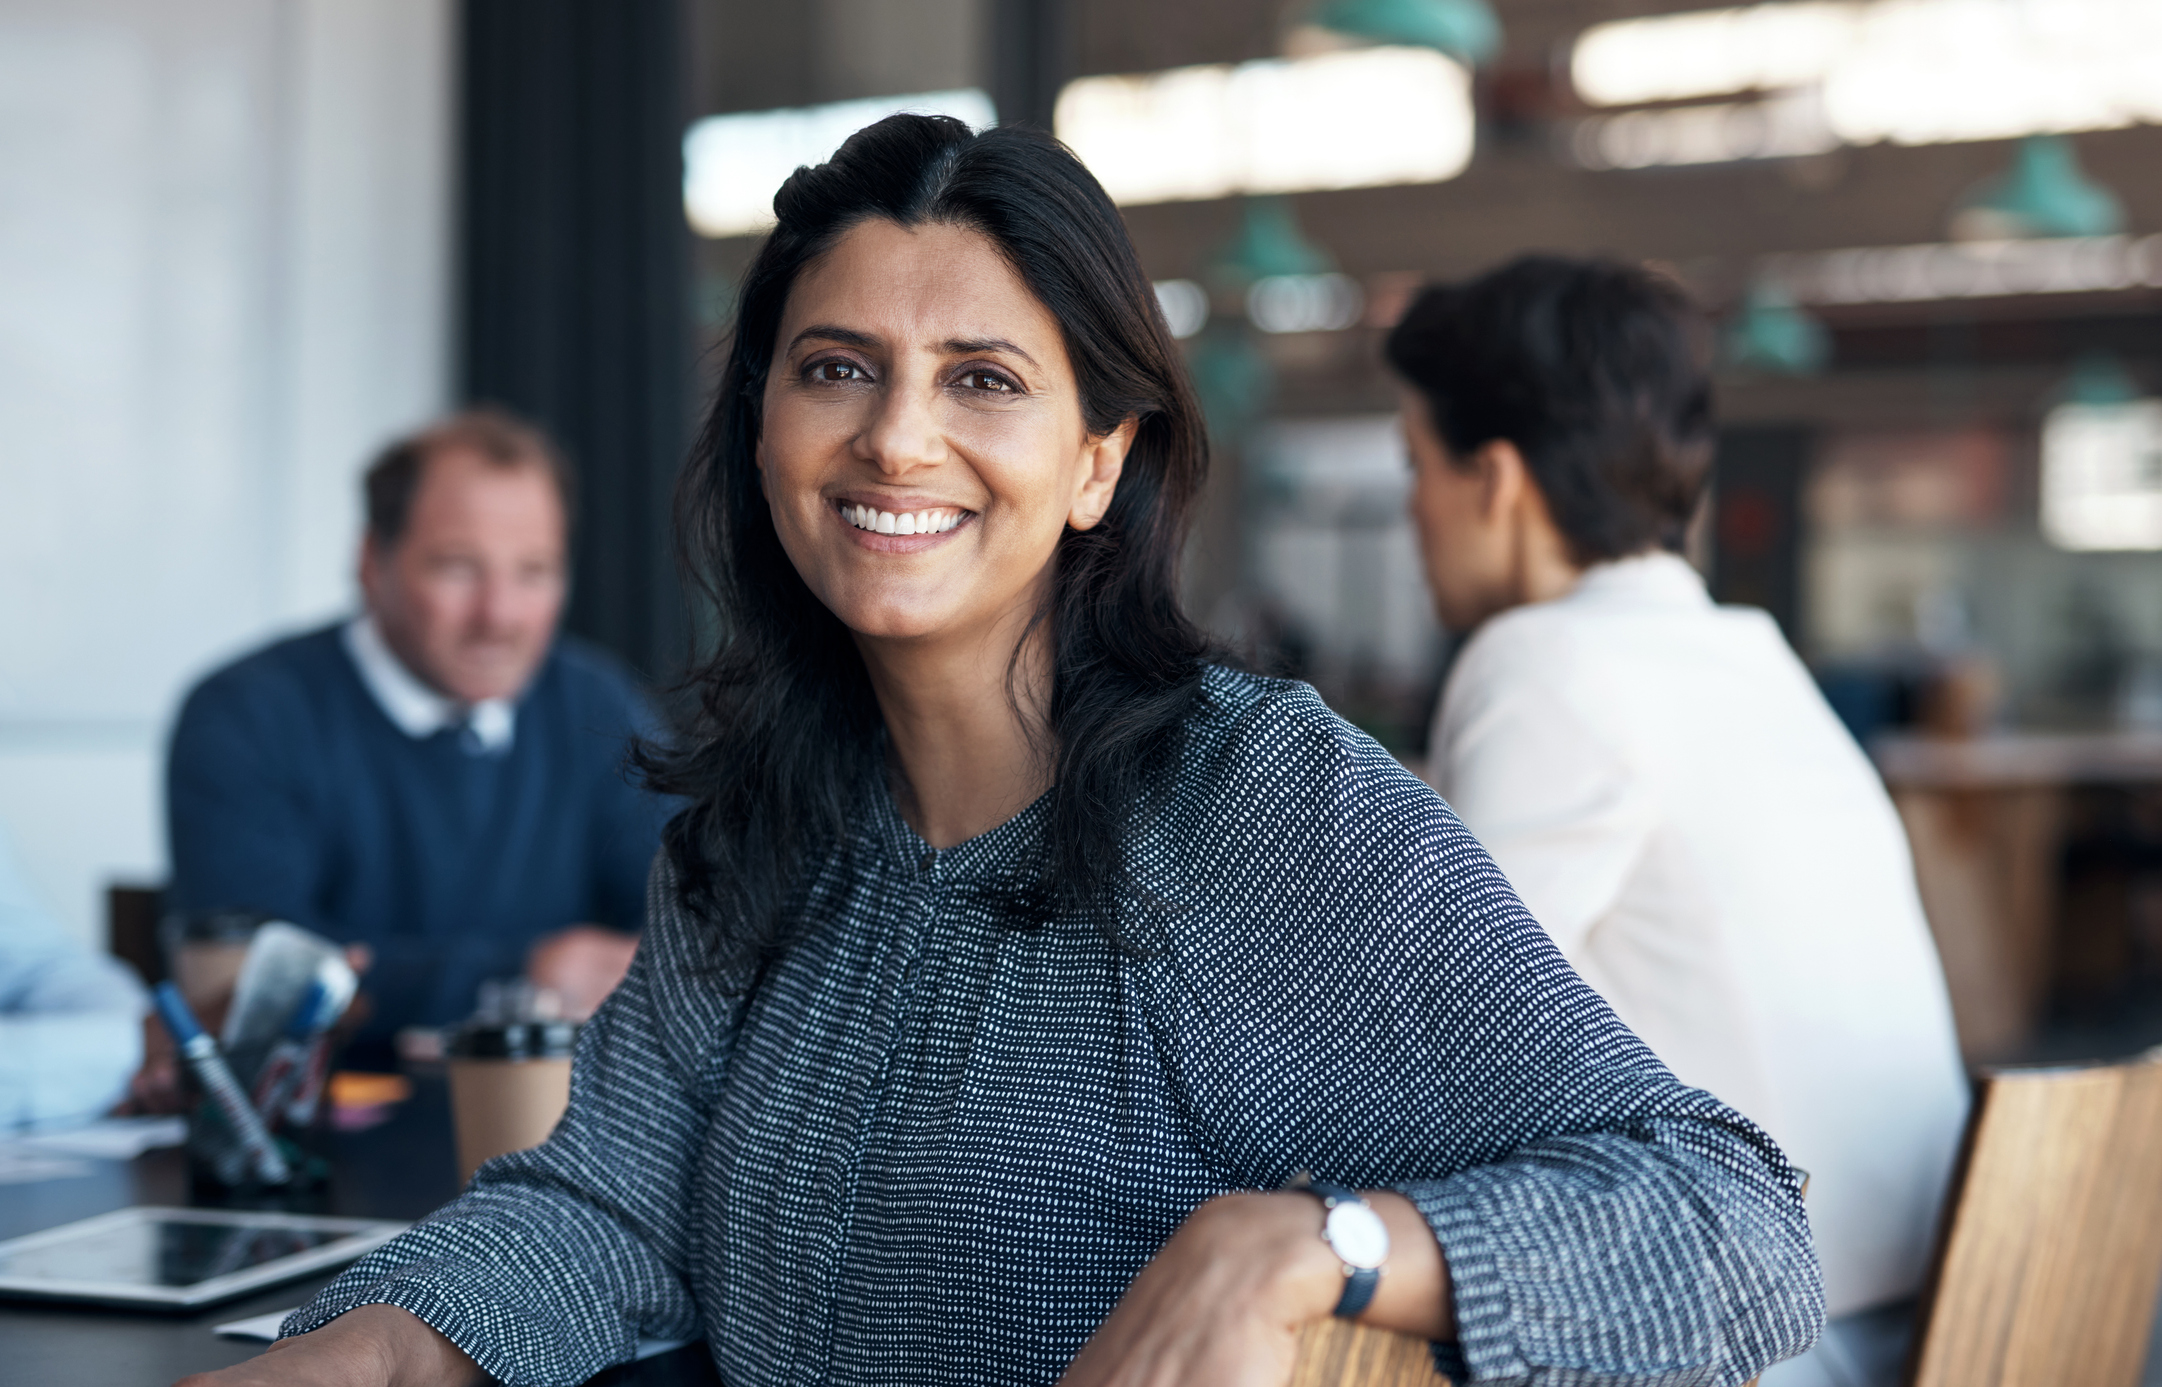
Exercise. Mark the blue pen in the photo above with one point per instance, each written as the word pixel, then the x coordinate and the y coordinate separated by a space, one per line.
pixel 216 1077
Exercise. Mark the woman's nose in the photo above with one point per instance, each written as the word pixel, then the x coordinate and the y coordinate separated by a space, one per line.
pixel 903 434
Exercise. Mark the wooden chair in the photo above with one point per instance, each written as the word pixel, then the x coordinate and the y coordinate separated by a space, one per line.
pixel 2048 1263
pixel 2051 1250
pixel 1336 1353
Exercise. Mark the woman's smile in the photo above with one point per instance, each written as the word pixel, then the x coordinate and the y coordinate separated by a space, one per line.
pixel 898 528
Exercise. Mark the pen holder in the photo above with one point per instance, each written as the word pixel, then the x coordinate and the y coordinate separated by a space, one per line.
pixel 220 1171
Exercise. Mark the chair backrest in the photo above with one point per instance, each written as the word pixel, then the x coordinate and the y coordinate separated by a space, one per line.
pixel 1337 1353
pixel 2051 1253
pixel 131 923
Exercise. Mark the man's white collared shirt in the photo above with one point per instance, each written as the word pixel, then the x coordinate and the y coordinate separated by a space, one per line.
pixel 413 707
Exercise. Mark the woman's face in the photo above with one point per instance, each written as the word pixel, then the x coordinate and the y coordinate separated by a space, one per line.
pixel 923 447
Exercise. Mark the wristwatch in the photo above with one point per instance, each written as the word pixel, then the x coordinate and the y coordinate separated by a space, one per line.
pixel 1356 1234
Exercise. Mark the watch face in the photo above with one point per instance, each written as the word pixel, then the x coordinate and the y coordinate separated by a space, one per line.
pixel 1357 1235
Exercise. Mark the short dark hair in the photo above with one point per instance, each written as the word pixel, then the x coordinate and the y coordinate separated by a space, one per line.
pixel 493 432
pixel 1596 371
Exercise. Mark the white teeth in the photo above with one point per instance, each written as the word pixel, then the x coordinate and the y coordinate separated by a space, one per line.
pixel 929 522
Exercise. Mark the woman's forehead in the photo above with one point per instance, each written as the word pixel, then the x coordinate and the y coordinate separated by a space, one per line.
pixel 923 286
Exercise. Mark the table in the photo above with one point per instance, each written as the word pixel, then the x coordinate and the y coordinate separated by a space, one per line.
pixel 400 1169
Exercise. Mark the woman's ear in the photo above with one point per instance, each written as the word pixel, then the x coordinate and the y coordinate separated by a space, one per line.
pixel 1102 462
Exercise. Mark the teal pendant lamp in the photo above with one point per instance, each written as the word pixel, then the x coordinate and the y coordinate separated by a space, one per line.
pixel 2044 193
pixel 1466 30
pixel 1233 379
pixel 1267 243
pixel 2098 378
pixel 1231 374
pixel 1773 335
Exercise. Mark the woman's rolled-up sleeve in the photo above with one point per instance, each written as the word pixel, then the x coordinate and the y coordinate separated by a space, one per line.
pixel 1406 1025
pixel 555 1260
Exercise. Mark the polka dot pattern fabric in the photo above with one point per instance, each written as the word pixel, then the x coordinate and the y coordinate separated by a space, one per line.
pixel 934 1147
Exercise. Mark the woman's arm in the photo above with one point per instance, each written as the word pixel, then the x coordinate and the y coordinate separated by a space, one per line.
pixel 373 1346
pixel 1225 1300
pixel 1360 994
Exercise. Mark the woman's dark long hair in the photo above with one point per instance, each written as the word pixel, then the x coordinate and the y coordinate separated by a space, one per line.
pixel 784 750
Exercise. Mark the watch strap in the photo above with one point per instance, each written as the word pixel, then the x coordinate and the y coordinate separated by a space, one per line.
pixel 1360 1283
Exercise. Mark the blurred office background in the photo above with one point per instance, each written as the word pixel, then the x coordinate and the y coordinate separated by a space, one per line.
pixel 244 241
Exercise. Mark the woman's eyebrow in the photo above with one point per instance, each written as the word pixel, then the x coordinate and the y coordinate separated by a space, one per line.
pixel 830 332
pixel 963 346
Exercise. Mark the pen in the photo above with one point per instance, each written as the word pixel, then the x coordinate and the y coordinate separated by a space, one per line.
pixel 201 1053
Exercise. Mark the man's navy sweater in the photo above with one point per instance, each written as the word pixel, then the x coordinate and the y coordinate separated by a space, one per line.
pixel 290 791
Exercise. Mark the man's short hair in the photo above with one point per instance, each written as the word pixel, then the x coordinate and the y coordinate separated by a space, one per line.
pixel 490 431
pixel 1595 370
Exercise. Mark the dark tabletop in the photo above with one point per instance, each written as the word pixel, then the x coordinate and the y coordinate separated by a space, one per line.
pixel 400 1169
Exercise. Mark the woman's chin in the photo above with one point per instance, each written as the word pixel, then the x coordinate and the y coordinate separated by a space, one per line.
pixel 882 622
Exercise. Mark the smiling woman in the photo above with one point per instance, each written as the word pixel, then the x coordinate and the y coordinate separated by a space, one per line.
pixel 959 330
pixel 1012 963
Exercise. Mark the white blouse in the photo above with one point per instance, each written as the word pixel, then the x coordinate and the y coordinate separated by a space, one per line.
pixel 1665 787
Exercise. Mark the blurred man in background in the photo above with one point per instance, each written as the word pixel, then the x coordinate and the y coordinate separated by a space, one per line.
pixel 70 1020
pixel 441 779
pixel 1658 776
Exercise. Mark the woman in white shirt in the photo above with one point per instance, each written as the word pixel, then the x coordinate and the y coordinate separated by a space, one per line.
pixel 1659 777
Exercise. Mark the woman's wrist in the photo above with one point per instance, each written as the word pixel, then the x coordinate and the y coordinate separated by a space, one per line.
pixel 1414 1295
pixel 383 1344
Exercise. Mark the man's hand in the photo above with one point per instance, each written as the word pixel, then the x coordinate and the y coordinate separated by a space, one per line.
pixel 582 965
pixel 373 1346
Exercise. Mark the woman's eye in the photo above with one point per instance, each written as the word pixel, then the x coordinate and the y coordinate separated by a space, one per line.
pixel 836 371
pixel 987 380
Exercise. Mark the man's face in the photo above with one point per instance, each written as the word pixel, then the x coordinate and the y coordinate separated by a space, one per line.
pixel 468 597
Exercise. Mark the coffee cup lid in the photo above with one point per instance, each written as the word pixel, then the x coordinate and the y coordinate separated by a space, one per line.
pixel 514 1040
pixel 211 926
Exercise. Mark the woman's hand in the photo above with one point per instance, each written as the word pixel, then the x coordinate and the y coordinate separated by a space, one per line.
pixel 372 1346
pixel 1223 1302
pixel 1222 1305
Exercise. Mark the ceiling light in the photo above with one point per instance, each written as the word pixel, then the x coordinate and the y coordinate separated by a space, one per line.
pixel 1353 119
pixel 1906 71
pixel 1185 306
pixel 1715 133
pixel 1305 303
pixel 1711 52
pixel 1969 270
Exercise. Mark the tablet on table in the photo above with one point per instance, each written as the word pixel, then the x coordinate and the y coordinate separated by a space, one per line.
pixel 180 1259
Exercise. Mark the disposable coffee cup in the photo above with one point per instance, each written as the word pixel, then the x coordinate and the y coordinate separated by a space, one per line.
pixel 204 951
pixel 509 1084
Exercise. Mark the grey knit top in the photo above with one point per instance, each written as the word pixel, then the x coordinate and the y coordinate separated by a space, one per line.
pixel 932 1147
